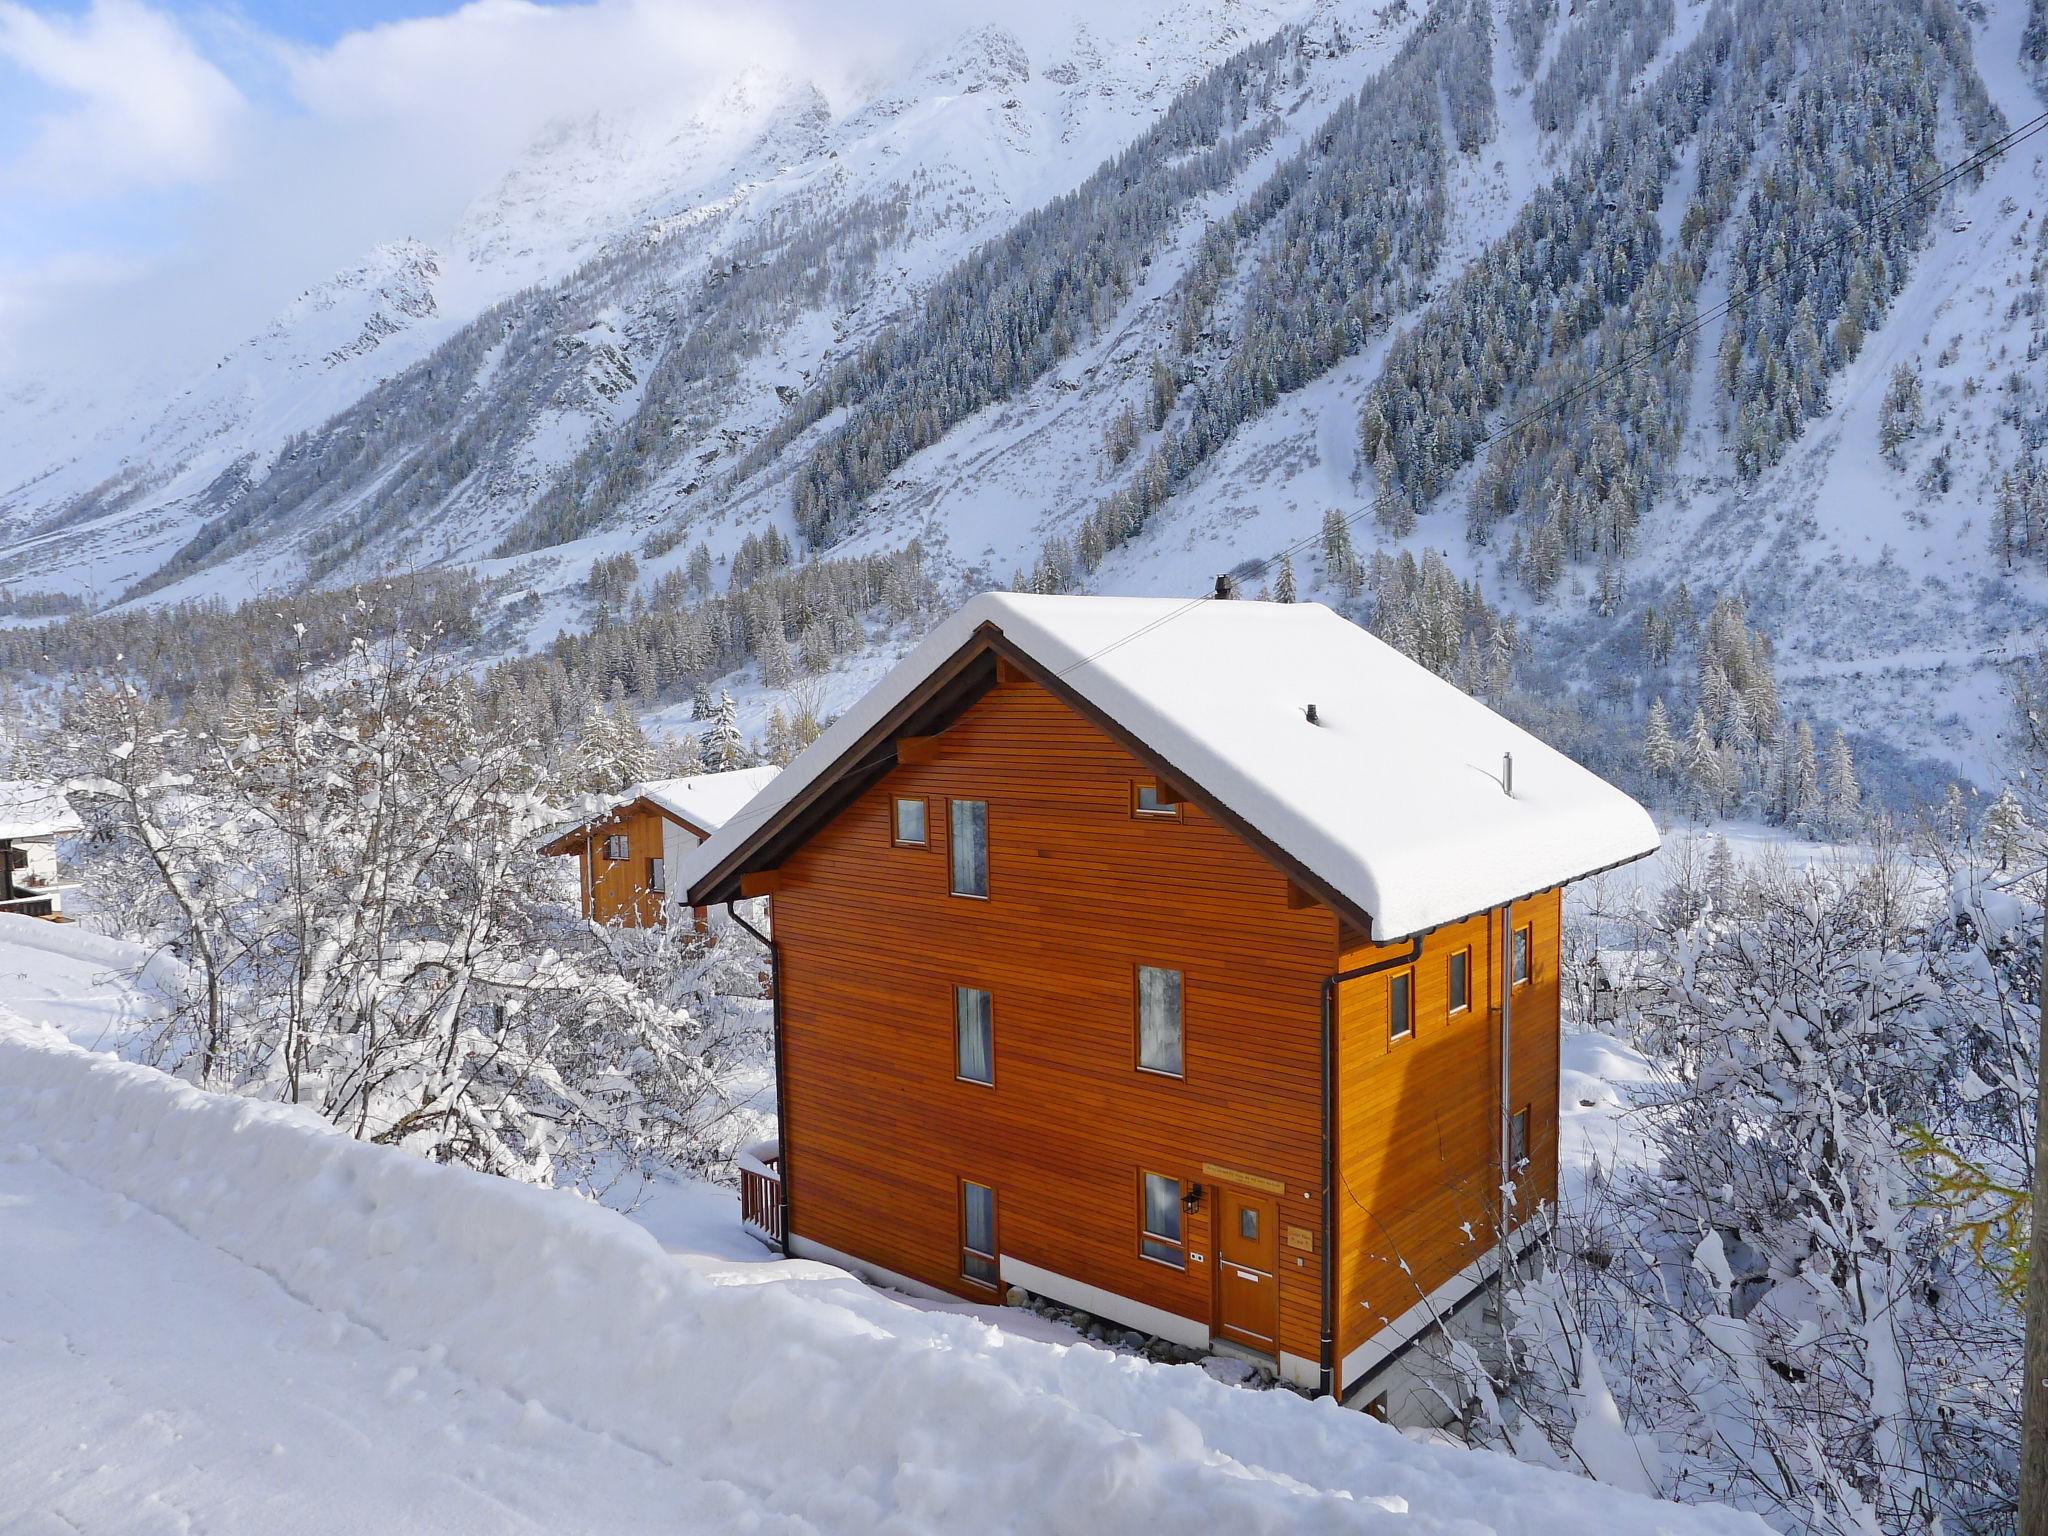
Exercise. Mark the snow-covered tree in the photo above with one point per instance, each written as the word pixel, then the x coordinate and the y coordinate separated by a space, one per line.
pixel 372 932
pixel 1899 414
pixel 1660 747
pixel 725 748
pixel 1841 795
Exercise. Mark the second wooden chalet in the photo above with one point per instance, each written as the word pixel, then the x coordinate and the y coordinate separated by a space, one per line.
pixel 1193 965
pixel 626 845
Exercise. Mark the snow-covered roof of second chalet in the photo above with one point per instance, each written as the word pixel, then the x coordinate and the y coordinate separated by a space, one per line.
pixel 33 810
pixel 706 801
pixel 1393 799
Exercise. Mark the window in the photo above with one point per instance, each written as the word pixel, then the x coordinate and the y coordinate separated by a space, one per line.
pixel 1247 1223
pixel 1519 966
pixel 977 1233
pixel 973 1035
pixel 1146 801
pixel 1159 1020
pixel 1458 984
pixel 1161 1239
pixel 1518 1139
pixel 970 847
pixel 618 847
pixel 657 876
pixel 908 831
pixel 1400 1005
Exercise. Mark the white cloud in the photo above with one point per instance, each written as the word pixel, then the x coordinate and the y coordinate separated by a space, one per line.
pixel 141 106
pixel 238 167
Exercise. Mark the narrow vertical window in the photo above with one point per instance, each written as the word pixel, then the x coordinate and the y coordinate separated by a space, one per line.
pixel 969 830
pixel 1518 1139
pixel 1161 1238
pixel 909 823
pixel 1458 984
pixel 1400 1005
pixel 657 876
pixel 1159 1020
pixel 974 1035
pixel 977 1233
pixel 1519 969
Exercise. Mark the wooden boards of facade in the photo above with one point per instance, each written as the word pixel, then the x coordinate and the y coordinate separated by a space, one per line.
pixel 880 1129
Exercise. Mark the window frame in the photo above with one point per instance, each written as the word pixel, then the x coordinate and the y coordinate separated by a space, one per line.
pixel 620 841
pixel 1406 977
pixel 1519 1125
pixel 657 875
pixel 1140 812
pixel 1138 970
pixel 896 837
pixel 1453 1009
pixel 1526 934
pixel 995 1262
pixel 960 989
pixel 1146 1235
pixel 952 851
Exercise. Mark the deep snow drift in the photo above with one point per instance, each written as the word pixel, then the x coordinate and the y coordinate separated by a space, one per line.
pixel 223 1314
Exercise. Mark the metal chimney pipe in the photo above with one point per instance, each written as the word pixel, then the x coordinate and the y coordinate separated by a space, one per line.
pixel 1507 773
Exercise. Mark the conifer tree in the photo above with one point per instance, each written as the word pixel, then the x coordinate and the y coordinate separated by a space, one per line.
pixel 1843 796
pixel 1660 748
pixel 724 747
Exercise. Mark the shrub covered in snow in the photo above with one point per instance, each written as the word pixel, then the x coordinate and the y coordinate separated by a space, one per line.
pixel 351 872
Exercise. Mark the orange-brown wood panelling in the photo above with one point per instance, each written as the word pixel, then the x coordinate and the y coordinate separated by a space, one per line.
pixel 1080 893
pixel 1417 1119
pixel 617 889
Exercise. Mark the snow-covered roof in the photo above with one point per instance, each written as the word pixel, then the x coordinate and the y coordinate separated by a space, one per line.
pixel 1392 799
pixel 706 801
pixel 30 809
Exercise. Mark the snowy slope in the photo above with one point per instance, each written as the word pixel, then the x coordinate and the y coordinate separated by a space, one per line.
pixel 647 297
pixel 227 1315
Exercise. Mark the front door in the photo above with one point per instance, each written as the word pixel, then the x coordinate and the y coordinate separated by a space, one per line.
pixel 1247 1266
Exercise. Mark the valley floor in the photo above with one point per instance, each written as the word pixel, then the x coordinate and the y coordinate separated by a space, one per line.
pixel 219 1316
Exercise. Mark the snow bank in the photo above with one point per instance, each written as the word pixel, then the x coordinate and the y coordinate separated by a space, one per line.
pixel 816 1404
pixel 157 969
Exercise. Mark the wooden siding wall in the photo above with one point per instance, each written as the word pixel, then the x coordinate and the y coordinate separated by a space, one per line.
pixel 1417 1121
pixel 618 893
pixel 1080 893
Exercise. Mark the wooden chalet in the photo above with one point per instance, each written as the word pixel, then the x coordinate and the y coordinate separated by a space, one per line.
pixel 626 844
pixel 1193 965
pixel 32 817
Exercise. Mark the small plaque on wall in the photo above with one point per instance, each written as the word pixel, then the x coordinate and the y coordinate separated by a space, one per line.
pixel 1303 1238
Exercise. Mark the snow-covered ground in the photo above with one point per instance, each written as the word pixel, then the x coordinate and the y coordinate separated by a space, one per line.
pixel 224 1316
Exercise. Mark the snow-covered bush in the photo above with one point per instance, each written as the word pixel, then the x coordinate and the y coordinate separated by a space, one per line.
pixel 352 872
pixel 1790 1298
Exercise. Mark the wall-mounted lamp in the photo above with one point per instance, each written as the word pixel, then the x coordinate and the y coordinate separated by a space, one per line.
pixel 1192 1200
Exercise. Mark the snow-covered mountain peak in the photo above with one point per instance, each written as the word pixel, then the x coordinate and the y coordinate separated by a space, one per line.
pixel 986 57
pixel 354 311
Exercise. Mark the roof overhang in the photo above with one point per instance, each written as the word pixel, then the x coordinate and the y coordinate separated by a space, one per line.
pixel 571 839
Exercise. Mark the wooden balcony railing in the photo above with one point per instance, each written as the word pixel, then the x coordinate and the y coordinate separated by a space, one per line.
pixel 761 1192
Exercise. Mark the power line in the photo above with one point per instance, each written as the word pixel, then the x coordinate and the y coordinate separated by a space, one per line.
pixel 1736 297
